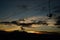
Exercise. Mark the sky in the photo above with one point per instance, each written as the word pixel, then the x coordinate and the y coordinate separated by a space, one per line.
pixel 16 9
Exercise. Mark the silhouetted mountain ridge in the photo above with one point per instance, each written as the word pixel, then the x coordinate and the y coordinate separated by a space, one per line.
pixel 16 35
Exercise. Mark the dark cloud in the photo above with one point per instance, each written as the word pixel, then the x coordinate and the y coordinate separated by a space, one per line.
pixel 58 20
pixel 56 9
pixel 24 8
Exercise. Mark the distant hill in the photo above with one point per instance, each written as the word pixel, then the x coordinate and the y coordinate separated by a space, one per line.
pixel 16 35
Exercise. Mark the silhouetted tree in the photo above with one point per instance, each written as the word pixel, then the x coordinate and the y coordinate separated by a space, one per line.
pixel 50 15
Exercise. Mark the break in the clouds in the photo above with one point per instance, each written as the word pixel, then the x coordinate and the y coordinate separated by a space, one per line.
pixel 16 9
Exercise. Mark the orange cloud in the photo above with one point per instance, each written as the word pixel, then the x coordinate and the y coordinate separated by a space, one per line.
pixel 9 27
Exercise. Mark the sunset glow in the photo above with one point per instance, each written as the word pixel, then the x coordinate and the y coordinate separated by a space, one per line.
pixel 36 32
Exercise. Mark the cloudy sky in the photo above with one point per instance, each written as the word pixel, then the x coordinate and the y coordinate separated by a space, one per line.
pixel 16 9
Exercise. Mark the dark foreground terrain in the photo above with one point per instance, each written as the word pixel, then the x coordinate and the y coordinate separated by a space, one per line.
pixel 16 35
